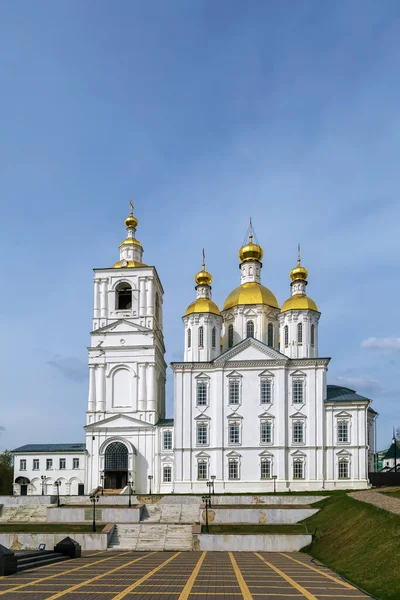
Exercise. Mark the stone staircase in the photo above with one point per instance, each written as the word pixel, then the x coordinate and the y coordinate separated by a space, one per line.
pixel 170 513
pixel 23 513
pixel 27 559
pixel 142 537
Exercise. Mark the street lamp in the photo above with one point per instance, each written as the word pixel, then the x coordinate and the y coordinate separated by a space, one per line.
pixel 274 477
pixel 207 501
pixel 213 478
pixel 102 483
pixel 150 477
pixel 94 499
pixel 209 485
pixel 57 484
pixel 43 478
pixel 130 484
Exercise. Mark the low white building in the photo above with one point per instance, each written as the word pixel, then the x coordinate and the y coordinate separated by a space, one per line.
pixel 252 406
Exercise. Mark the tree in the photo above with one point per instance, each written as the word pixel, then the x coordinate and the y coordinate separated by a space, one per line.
pixel 6 473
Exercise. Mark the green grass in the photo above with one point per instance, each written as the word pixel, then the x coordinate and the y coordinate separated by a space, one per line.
pixel 251 529
pixel 360 542
pixel 395 494
pixel 47 527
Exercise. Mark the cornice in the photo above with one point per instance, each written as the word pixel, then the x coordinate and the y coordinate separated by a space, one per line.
pixel 231 364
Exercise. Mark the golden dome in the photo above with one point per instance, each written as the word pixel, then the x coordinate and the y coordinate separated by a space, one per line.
pixel 131 221
pixel 299 302
pixel 250 293
pixel 129 264
pixel 203 277
pixel 130 242
pixel 202 305
pixel 250 251
pixel 299 272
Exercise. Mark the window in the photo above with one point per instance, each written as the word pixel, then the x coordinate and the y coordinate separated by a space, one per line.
pixel 298 432
pixel 265 391
pixel 167 474
pixel 342 432
pixel 250 329
pixel 75 463
pixel 286 330
pixel 22 465
pixel 265 432
pixel 298 469
pixel 62 463
pixel 202 469
pixel 201 337
pixel 214 337
pixel 265 468
pixel 36 464
pixel 202 434
pixel 270 337
pixel 234 433
pixel 167 440
pixel 344 471
pixel 189 338
pixel 201 393
pixel 49 463
pixel 157 307
pixel 124 296
pixel 234 391
pixel 233 468
pixel 312 335
pixel 298 391
pixel 230 336
pixel 300 333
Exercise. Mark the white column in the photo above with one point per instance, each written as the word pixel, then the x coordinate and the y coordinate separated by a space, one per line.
pixel 142 297
pixel 142 387
pixel 103 298
pixel 92 388
pixel 101 397
pixel 150 298
pixel 96 298
pixel 151 400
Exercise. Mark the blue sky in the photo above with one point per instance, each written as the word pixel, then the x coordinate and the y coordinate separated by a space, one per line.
pixel 203 113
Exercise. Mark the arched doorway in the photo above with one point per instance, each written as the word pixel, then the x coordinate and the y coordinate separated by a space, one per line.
pixel 23 485
pixel 115 466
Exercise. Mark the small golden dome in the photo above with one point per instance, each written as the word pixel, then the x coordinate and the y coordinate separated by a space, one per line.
pixel 131 222
pixel 250 251
pixel 124 264
pixel 299 302
pixel 203 277
pixel 250 293
pixel 130 242
pixel 202 305
pixel 299 272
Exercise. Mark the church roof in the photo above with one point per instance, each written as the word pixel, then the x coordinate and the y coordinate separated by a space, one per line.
pixel 390 452
pixel 51 448
pixel 165 423
pixel 338 393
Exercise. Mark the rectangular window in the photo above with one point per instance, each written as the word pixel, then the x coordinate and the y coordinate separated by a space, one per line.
pixel 234 391
pixel 343 469
pixel 233 471
pixel 22 465
pixel 265 432
pixel 75 463
pixel 36 464
pixel 266 391
pixel 167 440
pixel 201 393
pixel 343 432
pixel 298 391
pixel 265 468
pixel 49 463
pixel 62 463
pixel 298 469
pixel 202 469
pixel 234 433
pixel 167 474
pixel 202 434
pixel 298 433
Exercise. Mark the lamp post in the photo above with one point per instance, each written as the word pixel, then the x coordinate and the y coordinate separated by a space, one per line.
pixel 102 483
pixel 209 485
pixel 94 499
pixel 274 477
pixel 207 501
pixel 150 477
pixel 57 484
pixel 130 484
pixel 213 478
pixel 43 478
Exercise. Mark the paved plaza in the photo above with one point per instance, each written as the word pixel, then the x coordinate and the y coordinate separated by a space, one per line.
pixel 180 576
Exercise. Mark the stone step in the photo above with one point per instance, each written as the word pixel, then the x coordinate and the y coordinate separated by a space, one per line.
pixel 151 537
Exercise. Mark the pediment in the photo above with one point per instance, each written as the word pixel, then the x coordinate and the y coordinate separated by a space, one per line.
pixel 202 417
pixel 122 326
pixel 118 421
pixel 202 376
pixel 298 454
pixel 265 453
pixel 342 414
pixel 343 452
pixel 166 458
pixel 298 415
pixel 234 374
pixel 266 415
pixel 234 415
pixel 250 349
pixel 202 454
pixel 298 373
pixel 266 373
pixel 233 454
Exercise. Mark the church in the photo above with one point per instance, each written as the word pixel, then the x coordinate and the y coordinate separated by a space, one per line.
pixel 252 408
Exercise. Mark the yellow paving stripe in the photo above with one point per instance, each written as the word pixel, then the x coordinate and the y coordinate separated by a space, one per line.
pixel 35 581
pixel 190 582
pixel 242 584
pixel 344 583
pixel 296 585
pixel 129 589
pixel 88 581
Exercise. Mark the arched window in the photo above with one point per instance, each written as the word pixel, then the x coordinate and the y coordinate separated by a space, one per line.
pixel 250 329
pixel 201 337
pixel 286 335
pixel 124 296
pixel 300 333
pixel 214 337
pixel 312 335
pixel 270 340
pixel 230 336
pixel 116 457
pixel 189 338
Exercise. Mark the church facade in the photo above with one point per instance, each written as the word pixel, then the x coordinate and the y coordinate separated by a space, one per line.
pixel 252 407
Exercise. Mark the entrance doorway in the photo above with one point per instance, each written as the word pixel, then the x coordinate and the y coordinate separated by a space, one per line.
pixel 24 489
pixel 116 466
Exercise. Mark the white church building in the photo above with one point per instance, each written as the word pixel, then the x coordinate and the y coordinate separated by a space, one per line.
pixel 252 407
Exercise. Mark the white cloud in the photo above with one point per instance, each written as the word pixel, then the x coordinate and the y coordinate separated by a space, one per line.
pixel 389 344
pixel 359 384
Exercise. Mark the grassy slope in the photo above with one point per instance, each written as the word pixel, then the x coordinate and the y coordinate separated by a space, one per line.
pixel 359 541
pixel 395 494
pixel 47 528
pixel 256 528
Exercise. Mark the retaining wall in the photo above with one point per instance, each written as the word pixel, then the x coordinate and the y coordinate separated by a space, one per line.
pixel 31 541
pixel 251 543
pixel 82 514
pixel 256 515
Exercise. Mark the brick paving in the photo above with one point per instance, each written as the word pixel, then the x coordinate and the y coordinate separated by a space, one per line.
pixel 391 504
pixel 180 576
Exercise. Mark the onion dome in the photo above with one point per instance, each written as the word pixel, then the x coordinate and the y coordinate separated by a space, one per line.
pixel 299 300
pixel 203 302
pixel 250 251
pixel 130 249
pixel 202 305
pixel 250 293
pixel 203 277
